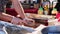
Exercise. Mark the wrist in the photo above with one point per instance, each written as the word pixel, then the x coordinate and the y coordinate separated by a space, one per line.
pixel 14 20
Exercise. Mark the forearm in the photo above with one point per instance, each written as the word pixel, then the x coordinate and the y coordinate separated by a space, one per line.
pixel 5 17
pixel 18 7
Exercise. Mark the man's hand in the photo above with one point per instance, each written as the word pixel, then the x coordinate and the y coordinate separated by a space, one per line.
pixel 29 22
pixel 17 21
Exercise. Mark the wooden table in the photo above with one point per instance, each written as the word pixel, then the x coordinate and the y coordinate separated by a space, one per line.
pixel 42 19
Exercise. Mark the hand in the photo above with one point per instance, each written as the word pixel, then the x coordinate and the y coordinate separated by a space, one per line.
pixel 17 21
pixel 29 22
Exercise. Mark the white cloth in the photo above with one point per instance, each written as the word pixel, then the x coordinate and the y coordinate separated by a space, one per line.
pixel 15 29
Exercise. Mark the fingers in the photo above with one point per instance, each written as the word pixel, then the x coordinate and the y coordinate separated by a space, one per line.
pixel 24 22
pixel 33 21
pixel 19 23
pixel 30 22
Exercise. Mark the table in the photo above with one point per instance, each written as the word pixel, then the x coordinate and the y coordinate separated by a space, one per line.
pixel 42 19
